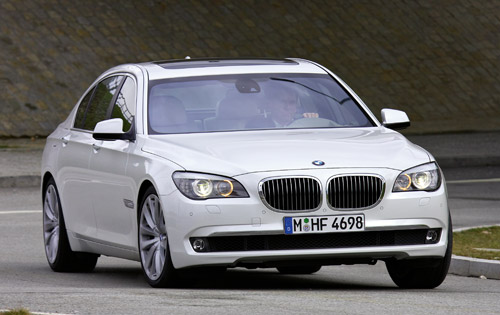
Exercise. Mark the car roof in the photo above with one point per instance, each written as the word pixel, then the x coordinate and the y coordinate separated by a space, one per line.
pixel 220 66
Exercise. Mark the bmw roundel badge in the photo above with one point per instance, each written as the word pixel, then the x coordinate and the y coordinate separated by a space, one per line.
pixel 318 163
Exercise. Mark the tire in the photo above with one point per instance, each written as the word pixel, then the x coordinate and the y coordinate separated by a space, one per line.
pixel 57 249
pixel 422 273
pixel 298 270
pixel 154 251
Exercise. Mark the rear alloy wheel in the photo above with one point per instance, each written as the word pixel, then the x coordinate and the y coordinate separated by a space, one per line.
pixel 57 249
pixel 425 273
pixel 153 243
pixel 298 270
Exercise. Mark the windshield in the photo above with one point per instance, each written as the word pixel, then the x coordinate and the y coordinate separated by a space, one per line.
pixel 251 102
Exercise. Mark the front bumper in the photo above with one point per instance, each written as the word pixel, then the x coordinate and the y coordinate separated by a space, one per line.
pixel 249 224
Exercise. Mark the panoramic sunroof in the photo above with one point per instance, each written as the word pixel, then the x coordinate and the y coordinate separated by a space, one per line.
pixel 204 63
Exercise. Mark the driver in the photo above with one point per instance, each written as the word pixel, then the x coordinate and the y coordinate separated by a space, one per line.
pixel 281 104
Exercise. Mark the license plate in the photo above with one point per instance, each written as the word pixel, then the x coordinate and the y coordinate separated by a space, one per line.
pixel 326 224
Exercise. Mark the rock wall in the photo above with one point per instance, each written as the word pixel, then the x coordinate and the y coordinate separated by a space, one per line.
pixel 437 60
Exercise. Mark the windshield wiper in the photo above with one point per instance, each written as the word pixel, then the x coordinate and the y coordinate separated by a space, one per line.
pixel 341 102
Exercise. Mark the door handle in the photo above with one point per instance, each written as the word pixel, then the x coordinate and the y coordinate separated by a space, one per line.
pixel 96 147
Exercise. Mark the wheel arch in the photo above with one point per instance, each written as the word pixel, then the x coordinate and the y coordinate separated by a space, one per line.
pixel 142 190
pixel 45 179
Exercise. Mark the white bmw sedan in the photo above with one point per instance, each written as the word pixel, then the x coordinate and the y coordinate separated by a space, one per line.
pixel 254 163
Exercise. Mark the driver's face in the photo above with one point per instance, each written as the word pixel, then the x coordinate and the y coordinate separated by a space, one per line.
pixel 283 108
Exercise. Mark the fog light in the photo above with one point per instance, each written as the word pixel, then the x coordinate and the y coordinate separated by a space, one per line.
pixel 199 245
pixel 432 237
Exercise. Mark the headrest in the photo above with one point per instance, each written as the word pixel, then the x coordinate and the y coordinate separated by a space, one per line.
pixel 166 111
pixel 238 106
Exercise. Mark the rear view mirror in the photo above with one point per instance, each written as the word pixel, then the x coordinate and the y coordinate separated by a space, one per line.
pixel 112 129
pixel 394 119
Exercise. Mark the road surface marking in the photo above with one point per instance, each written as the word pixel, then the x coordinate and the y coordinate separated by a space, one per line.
pixel 20 211
pixel 474 181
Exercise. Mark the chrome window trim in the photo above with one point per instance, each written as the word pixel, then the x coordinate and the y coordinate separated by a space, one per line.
pixel 94 84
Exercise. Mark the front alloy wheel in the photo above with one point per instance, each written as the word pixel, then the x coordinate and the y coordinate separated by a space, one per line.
pixel 153 243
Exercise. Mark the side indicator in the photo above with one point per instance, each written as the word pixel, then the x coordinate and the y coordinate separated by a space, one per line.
pixel 128 203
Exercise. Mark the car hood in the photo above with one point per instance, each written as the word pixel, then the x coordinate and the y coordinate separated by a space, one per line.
pixel 240 152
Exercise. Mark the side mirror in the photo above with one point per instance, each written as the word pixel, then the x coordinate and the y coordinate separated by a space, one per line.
pixel 394 119
pixel 112 129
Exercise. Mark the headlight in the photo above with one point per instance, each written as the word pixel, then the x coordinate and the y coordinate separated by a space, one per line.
pixel 204 186
pixel 424 177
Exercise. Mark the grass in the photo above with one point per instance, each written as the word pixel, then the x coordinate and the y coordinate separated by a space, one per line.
pixel 470 242
pixel 6 145
pixel 19 311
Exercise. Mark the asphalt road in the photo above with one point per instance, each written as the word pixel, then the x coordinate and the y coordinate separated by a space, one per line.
pixel 474 195
pixel 117 287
